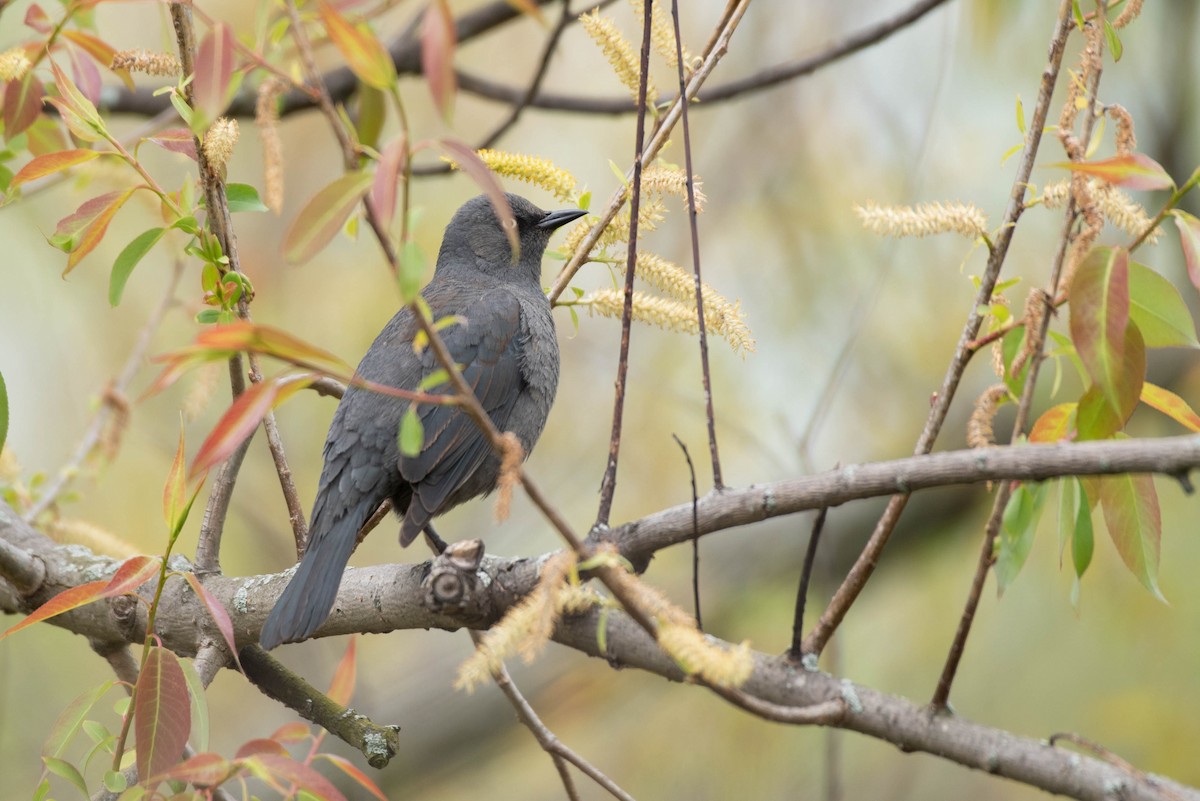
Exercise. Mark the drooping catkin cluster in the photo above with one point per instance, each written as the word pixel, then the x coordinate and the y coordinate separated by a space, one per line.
pixel 1126 140
pixel 659 179
pixel 1090 63
pixel 924 219
pixel 619 52
pixel 720 316
pixel 219 141
pixel 979 428
pixel 678 635
pixel 14 64
pixel 662 33
pixel 531 169
pixel 510 473
pixel 1128 13
pixel 527 626
pixel 671 315
pixel 1117 207
pixel 266 118
pixel 651 212
pixel 146 62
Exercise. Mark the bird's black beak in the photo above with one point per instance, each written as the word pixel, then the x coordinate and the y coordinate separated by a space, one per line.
pixel 557 219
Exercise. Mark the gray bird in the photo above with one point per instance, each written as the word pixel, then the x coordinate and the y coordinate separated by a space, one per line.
pixel 508 352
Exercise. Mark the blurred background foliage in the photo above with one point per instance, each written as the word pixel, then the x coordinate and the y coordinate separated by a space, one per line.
pixel 926 115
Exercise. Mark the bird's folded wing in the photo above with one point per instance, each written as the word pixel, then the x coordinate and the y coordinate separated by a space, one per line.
pixel 487 347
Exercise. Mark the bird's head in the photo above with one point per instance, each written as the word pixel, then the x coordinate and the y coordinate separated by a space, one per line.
pixel 476 235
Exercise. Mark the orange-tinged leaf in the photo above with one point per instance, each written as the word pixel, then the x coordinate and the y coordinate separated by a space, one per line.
pixel 176 140
pixel 1171 405
pixel 341 689
pixel 201 770
pixel 291 733
pixel 1189 239
pixel 528 8
pixel 214 75
pixel 351 770
pixel 439 39
pixel 261 745
pixel 323 216
pixel 162 713
pixel 365 55
pixel 264 339
pixel 1099 317
pixel 243 416
pixel 99 50
pixel 469 162
pixel 22 104
pixel 1134 522
pixel 175 490
pixel 133 573
pixel 1054 425
pixel 1131 171
pixel 217 612
pixel 79 233
pixel 386 178
pixel 51 163
pixel 292 772
pixel 86 76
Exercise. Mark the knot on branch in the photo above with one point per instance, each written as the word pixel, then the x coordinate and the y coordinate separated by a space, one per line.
pixel 453 579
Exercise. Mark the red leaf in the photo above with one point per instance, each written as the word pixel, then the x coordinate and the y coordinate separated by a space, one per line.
pixel 341 689
pixel 22 104
pixel 1131 171
pixel 1189 239
pixel 214 75
pixel 218 613
pixel 323 216
pixel 51 163
pixel 36 18
pixel 1134 522
pixel 176 140
pixel 129 576
pixel 387 174
pixel 202 770
pixel 162 713
pixel 243 417
pixel 1054 425
pixel 1171 405
pixel 1099 317
pixel 366 57
pixel 87 77
pixel 469 162
pixel 438 41
pixel 269 341
pixel 78 234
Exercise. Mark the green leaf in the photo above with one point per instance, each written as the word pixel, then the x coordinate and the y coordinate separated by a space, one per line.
pixel 1114 41
pixel 128 259
pixel 1017 529
pixel 434 379
pixel 200 726
pixel 1131 512
pixel 323 216
pixel 208 316
pixel 1010 347
pixel 243 197
pixel 1158 310
pixel 65 770
pixel 412 270
pixel 72 718
pixel 412 433
pixel 114 781
pixel 1020 115
pixel 366 57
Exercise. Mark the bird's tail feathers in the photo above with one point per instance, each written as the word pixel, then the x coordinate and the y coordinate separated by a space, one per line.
pixel 416 517
pixel 308 597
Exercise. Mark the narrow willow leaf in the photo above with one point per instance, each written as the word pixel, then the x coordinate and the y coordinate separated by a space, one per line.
pixel 412 433
pixel 128 258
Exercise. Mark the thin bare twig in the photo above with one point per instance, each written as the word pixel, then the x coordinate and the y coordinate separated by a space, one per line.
pixel 608 485
pixel 709 413
pixel 696 538
pixel 115 391
pixel 864 566
pixel 810 557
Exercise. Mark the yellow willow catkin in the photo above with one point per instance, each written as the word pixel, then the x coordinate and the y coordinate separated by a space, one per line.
pixel 651 211
pixel 924 219
pixel 1117 207
pixel 979 427
pixel 618 52
pixel 670 315
pixel 662 32
pixel 699 656
pixel 218 145
pixel 661 180
pixel 525 628
pixel 14 64
pixel 266 118
pixel 147 62
pixel 531 169
pixel 677 284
